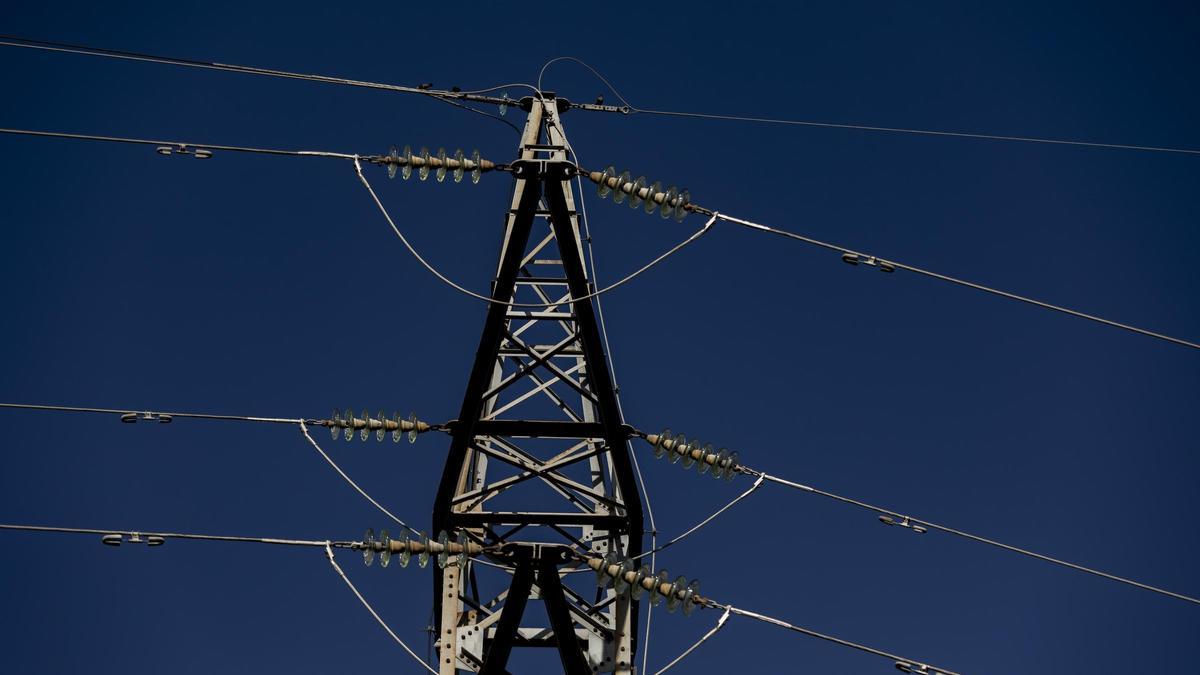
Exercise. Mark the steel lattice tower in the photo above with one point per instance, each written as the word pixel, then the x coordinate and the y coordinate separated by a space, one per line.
pixel 539 461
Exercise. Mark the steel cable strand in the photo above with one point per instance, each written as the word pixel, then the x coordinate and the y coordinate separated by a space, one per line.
pixel 906 519
pixel 630 108
pixel 720 624
pixel 348 479
pixel 875 260
pixel 337 568
pixel 757 484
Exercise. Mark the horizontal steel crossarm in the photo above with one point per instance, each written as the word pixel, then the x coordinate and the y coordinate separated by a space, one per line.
pixel 542 297
pixel 510 351
pixel 541 315
pixel 541 281
pixel 539 429
pixel 583 612
pixel 480 519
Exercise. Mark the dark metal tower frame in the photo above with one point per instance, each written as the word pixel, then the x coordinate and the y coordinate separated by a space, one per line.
pixel 539 427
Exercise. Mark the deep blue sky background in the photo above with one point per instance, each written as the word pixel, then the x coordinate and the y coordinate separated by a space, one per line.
pixel 271 286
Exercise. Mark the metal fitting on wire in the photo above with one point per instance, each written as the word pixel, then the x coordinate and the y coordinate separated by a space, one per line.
pixel 903 522
pixel 130 418
pixel 672 201
pixel 460 549
pixel 856 259
pixel 181 149
pixel 721 463
pixel 439 164
pixel 345 423
pixel 915 668
pixel 620 574
pixel 116 539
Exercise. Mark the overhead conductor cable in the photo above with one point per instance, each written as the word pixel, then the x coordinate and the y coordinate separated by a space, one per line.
pixel 63 47
pixel 726 464
pixel 677 203
pixel 630 108
pixel 360 424
pixel 623 577
pixel 157 538
pixel 889 517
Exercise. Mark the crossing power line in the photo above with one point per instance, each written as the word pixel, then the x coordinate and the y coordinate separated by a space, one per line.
pixel 630 108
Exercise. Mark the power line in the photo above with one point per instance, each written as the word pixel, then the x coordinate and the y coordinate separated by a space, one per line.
pixel 904 664
pixel 922 132
pixel 909 521
pixel 136 536
pixel 477 111
pixel 854 257
pixel 179 144
pixel 862 127
pixel 181 535
pixel 726 464
pixel 697 526
pixel 348 479
pixel 720 624
pixel 84 50
pixel 152 414
pixel 679 203
pixel 135 415
pixel 616 570
pixel 337 568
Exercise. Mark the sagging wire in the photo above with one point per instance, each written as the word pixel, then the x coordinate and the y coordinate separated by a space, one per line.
pixel 166 417
pixel 720 624
pixel 337 568
pixel 348 479
pixel 757 484
pixel 444 279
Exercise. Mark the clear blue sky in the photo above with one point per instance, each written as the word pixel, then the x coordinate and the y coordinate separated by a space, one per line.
pixel 271 286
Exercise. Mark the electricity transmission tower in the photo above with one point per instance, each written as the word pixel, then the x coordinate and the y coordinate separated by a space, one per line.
pixel 539 460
